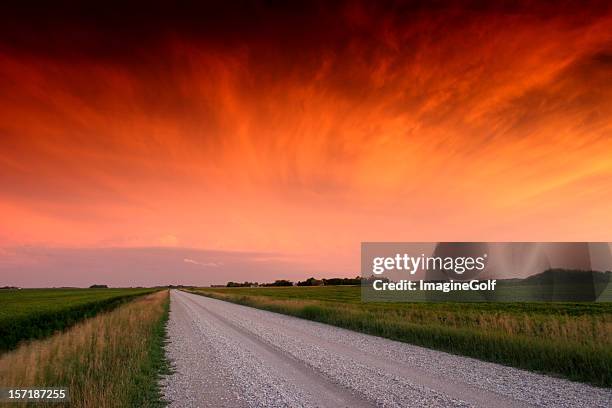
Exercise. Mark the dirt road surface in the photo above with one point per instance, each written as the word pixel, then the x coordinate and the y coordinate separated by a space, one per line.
pixel 227 355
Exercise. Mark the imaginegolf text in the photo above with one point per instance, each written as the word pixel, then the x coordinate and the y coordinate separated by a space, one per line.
pixel 435 286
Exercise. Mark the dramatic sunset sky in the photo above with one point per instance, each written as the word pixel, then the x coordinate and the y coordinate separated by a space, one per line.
pixel 148 145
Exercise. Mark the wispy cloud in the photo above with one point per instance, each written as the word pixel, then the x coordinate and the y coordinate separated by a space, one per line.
pixel 205 264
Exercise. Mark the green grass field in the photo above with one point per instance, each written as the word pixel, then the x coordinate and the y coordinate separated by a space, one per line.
pixel 36 313
pixel 573 340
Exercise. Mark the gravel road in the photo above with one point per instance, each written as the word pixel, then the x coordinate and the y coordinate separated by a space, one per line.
pixel 227 355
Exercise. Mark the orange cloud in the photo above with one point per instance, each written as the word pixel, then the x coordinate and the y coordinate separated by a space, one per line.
pixel 455 125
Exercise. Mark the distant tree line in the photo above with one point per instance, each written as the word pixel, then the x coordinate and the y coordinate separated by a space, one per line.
pixel 241 285
pixel 358 280
pixel 279 282
pixel 308 282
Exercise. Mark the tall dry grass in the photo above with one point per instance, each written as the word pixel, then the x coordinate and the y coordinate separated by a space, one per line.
pixel 105 361
pixel 595 329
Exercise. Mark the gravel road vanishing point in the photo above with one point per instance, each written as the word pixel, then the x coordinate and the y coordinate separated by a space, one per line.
pixel 227 355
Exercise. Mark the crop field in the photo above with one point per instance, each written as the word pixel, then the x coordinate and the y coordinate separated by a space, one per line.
pixel 36 313
pixel 98 364
pixel 573 340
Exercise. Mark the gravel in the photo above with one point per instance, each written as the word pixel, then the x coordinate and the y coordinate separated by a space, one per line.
pixel 235 356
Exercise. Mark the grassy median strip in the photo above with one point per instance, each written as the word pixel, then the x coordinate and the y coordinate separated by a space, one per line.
pixel 36 313
pixel 111 360
pixel 568 340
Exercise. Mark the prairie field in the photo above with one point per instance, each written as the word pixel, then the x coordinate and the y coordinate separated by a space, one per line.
pixel 110 360
pixel 572 340
pixel 36 313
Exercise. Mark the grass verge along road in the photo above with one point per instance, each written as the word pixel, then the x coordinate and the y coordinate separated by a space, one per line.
pixel 111 360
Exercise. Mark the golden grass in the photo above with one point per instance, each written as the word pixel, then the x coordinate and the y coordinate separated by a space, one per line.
pixel 586 329
pixel 97 360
